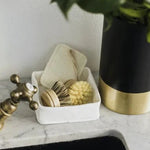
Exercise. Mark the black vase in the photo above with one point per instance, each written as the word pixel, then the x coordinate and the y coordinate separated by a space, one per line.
pixel 125 68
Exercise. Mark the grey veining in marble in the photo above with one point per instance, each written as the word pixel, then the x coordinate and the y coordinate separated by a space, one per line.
pixel 22 129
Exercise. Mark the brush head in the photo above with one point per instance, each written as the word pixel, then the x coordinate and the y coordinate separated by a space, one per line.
pixel 61 91
pixel 49 98
pixel 80 92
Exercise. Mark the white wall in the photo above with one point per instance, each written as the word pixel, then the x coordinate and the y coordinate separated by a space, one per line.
pixel 30 29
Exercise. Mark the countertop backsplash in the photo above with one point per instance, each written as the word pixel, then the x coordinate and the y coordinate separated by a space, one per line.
pixel 30 30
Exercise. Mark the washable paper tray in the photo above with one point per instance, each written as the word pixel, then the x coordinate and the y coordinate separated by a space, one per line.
pixel 76 113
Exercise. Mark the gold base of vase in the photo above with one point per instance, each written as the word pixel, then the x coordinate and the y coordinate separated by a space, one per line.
pixel 122 102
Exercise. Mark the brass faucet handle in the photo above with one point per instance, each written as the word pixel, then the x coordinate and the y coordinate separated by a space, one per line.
pixel 24 91
pixel 15 95
pixel 15 79
pixel 33 105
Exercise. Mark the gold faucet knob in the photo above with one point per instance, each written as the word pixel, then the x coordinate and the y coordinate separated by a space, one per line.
pixel 33 105
pixel 15 79
pixel 24 91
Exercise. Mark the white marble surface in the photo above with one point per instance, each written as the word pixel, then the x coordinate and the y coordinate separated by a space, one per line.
pixel 22 128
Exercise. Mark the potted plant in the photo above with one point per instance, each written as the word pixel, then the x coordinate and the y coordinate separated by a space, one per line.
pixel 125 56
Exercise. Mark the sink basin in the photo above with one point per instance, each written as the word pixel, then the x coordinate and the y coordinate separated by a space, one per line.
pixel 100 143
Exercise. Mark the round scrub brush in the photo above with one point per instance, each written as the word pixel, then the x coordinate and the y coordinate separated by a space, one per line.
pixel 56 96
pixel 80 92
pixel 49 98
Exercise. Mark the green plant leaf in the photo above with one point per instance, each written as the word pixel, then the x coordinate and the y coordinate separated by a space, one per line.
pixel 148 27
pixel 147 3
pixel 108 22
pixel 99 6
pixel 64 5
pixel 133 12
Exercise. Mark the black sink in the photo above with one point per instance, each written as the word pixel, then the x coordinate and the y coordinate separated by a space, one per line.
pixel 101 143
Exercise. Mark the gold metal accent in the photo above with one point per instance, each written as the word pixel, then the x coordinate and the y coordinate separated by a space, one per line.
pixel 122 102
pixel 24 91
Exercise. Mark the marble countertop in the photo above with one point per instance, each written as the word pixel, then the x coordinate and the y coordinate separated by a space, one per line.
pixel 22 129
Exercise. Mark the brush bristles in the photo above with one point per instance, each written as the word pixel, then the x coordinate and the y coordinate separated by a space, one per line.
pixel 76 93
pixel 61 91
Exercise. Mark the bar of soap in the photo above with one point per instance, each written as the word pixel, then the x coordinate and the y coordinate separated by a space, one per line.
pixel 64 64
